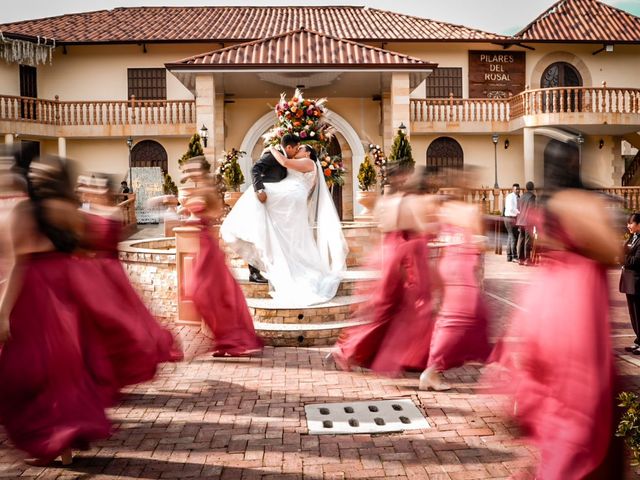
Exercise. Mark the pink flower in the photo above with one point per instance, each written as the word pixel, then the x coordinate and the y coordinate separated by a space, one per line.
pixel 303 134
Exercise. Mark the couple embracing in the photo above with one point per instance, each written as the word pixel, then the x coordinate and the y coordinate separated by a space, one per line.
pixel 286 226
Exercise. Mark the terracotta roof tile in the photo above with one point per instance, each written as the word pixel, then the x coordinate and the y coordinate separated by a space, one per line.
pixel 301 47
pixel 582 21
pixel 232 24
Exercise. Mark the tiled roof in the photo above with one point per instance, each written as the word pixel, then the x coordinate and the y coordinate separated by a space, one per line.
pixel 301 48
pixel 233 24
pixel 583 21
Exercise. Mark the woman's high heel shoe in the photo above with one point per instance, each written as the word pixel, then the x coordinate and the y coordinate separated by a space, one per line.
pixel 431 379
pixel 66 457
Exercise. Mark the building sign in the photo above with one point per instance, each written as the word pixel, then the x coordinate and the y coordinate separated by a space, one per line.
pixel 495 74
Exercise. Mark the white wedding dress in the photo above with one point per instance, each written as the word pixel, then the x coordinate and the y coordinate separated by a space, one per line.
pixel 278 238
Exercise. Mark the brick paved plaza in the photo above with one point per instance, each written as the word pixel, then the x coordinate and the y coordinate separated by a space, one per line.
pixel 244 418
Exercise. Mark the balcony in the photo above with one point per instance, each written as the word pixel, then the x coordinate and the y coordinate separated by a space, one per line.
pixel 602 110
pixel 56 118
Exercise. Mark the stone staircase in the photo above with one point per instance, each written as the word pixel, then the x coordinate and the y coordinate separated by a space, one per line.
pixel 283 325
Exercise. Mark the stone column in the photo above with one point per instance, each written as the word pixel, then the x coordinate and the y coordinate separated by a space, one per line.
pixel 528 141
pixel 8 139
pixel 206 111
pixel 62 147
pixel 400 106
pixel 386 121
pixel 617 161
pixel 187 250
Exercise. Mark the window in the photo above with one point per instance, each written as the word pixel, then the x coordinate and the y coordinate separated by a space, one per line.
pixel 28 88
pixel 444 81
pixel 147 83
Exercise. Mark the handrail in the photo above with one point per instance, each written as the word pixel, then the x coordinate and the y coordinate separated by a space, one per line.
pixel 529 102
pixel 128 210
pixel 97 112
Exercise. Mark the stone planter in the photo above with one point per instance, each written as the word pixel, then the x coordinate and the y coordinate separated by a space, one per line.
pixel 368 201
pixel 183 196
pixel 231 198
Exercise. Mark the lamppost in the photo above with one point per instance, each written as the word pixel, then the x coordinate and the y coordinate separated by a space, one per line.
pixel 402 128
pixel 580 141
pixel 204 135
pixel 130 144
pixel 494 138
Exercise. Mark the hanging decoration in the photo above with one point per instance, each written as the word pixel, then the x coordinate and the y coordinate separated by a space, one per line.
pixel 35 52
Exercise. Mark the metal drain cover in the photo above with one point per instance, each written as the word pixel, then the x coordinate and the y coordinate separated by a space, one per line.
pixel 364 417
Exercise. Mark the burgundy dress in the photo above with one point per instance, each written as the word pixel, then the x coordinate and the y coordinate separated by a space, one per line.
pixel 123 341
pixel 461 328
pixel 49 400
pixel 220 301
pixel 398 334
pixel 558 365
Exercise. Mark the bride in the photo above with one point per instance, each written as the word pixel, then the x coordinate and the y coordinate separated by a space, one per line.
pixel 278 236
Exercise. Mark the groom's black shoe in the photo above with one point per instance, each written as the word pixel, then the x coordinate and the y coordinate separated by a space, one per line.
pixel 256 277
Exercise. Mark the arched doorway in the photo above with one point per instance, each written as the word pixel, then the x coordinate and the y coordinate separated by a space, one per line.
pixel 149 153
pixel 444 157
pixel 334 149
pixel 561 74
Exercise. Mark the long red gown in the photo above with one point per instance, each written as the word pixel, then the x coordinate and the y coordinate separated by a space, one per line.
pixel 220 301
pixel 398 334
pixel 124 344
pixel 461 328
pixel 558 365
pixel 49 400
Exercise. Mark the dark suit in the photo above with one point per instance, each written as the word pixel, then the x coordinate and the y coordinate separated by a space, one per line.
pixel 524 221
pixel 267 170
pixel 630 282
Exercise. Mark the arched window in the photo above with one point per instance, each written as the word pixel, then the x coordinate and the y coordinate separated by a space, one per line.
pixel 561 74
pixel 444 153
pixel 149 153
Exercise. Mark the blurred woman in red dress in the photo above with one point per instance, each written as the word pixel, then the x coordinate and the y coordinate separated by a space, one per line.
pixel 50 402
pixel 216 294
pixel 399 317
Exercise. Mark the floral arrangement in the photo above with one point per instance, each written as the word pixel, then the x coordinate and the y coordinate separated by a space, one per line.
pixel 333 169
pixel 629 426
pixel 300 116
pixel 230 169
pixel 380 161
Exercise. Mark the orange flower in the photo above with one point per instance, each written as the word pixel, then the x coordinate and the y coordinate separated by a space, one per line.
pixel 327 172
pixel 296 124
pixel 299 113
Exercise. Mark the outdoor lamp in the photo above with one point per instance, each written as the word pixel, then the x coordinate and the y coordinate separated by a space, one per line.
pixel 402 128
pixel 506 144
pixel 601 144
pixel 494 138
pixel 204 134
pixel 130 142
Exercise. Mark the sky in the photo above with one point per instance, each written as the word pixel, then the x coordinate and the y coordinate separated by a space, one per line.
pixel 498 16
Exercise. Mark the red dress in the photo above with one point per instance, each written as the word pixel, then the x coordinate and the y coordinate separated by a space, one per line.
pixel 398 334
pixel 123 341
pixel 461 328
pixel 558 365
pixel 220 301
pixel 49 400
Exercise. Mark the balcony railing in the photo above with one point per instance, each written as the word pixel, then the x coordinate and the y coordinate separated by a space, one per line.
pixel 603 100
pixel 107 112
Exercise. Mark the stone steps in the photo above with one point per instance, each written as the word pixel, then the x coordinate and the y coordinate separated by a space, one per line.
pixel 301 335
pixel 348 285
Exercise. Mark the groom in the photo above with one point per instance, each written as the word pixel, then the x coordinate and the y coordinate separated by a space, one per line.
pixel 268 170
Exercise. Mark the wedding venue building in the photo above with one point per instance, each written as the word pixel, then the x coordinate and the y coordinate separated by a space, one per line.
pixel 132 85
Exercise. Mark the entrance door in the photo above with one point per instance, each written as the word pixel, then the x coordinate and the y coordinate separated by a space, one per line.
pixel 149 153
pixel 562 74
pixel 561 165
pixel 28 88
pixel 334 149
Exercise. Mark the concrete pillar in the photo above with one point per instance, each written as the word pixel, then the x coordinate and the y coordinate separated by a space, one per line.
pixel 400 105
pixel 615 147
pixel 529 155
pixel 8 139
pixel 62 147
pixel 206 111
pixel 187 250
pixel 387 130
pixel 218 127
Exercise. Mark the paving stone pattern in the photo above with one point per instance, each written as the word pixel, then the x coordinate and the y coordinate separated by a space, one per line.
pixel 213 418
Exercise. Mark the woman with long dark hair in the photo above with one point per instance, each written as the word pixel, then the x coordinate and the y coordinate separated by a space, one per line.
pixel 50 402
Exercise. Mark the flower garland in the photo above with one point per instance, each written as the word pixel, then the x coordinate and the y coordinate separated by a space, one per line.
pixel 380 161
pixel 304 118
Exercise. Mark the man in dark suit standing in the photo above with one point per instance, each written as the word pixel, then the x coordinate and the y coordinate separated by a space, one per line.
pixel 630 278
pixel 524 222
pixel 268 170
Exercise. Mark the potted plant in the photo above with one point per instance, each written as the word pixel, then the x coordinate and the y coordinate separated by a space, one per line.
pixel 366 182
pixel 629 426
pixel 232 175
